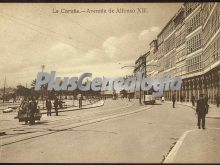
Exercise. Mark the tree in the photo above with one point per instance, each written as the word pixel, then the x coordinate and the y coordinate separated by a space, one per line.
pixel 23 91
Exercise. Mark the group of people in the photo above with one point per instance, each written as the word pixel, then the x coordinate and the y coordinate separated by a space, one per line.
pixel 28 107
pixel 193 99
pixel 202 108
pixel 57 104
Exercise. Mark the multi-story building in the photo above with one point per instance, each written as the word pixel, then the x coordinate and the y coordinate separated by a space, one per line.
pixel 203 45
pixel 151 59
pixel 140 63
pixel 193 24
pixel 140 66
pixel 189 46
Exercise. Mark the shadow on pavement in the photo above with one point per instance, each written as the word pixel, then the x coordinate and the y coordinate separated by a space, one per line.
pixel 157 104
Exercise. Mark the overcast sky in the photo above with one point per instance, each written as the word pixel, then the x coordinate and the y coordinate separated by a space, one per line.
pixel 75 43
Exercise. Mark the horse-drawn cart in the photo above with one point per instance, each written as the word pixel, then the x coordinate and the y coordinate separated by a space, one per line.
pixel 24 115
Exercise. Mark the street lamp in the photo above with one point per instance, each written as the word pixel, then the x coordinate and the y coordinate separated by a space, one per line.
pixel 140 88
pixel 145 74
pixel 42 88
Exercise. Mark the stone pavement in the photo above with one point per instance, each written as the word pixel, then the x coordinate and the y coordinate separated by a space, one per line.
pixel 76 107
pixel 8 119
pixel 214 111
pixel 198 145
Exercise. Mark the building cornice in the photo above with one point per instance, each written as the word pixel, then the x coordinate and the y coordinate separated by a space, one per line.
pixel 168 53
pixel 192 75
pixel 181 47
pixel 194 32
pixel 170 69
pixel 211 40
pixel 169 35
pixel 180 64
pixel 207 19
pixel 216 64
pixel 194 12
pixel 194 53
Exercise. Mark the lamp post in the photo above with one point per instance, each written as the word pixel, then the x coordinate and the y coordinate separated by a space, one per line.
pixel 140 102
pixel 145 74
pixel 42 88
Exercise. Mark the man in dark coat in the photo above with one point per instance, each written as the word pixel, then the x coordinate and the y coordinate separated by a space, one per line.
pixel 201 110
pixel 32 110
pixel 48 106
pixel 173 100
pixel 193 100
pixel 56 103
pixel 181 98
pixel 217 99
pixel 129 97
pixel 80 97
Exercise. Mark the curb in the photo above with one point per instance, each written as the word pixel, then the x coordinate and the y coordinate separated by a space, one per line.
pixel 214 117
pixel 71 106
pixel 77 108
pixel 183 105
pixel 171 155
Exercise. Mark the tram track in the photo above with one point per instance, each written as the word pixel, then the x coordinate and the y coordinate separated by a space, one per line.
pixel 74 117
pixel 82 117
pixel 69 124
pixel 25 126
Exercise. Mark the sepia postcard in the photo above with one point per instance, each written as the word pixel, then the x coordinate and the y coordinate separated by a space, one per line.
pixel 110 82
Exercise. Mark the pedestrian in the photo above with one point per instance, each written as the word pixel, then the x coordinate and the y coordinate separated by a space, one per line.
pixel 48 106
pixel 129 97
pixel 32 110
pixel 173 100
pixel 193 100
pixel 217 99
pixel 201 110
pixel 206 98
pixel 80 97
pixel 24 109
pixel 56 103
pixel 162 99
pixel 122 96
pixel 60 104
pixel 181 98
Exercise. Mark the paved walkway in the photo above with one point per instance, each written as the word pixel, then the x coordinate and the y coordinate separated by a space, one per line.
pixel 214 111
pixel 74 108
pixel 8 119
pixel 198 145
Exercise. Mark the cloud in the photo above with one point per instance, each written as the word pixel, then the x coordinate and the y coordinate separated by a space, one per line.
pixel 106 60
pixel 129 46
pixel 149 34
pixel 63 50
pixel 123 48
pixel 143 35
pixel 110 46
pixel 114 50
pixel 155 29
